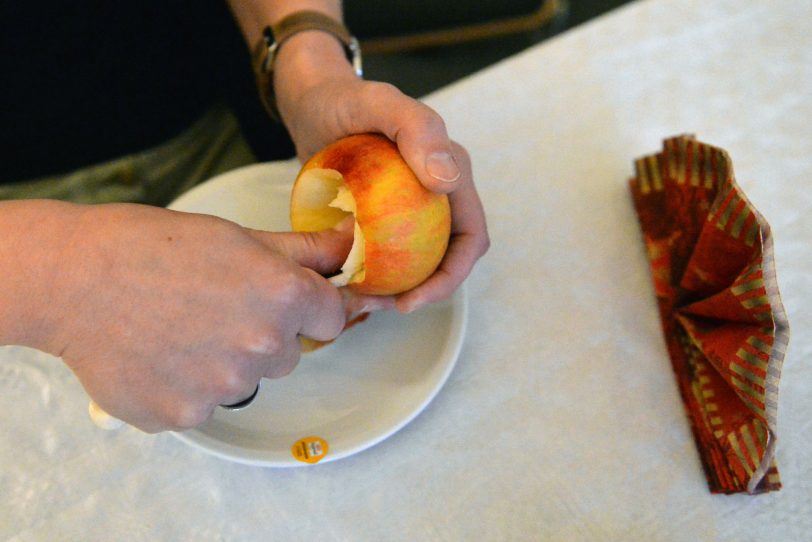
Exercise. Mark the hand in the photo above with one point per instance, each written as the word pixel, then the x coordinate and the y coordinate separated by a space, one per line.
pixel 333 104
pixel 165 315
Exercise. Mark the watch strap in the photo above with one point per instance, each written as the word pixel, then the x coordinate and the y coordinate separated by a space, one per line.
pixel 274 36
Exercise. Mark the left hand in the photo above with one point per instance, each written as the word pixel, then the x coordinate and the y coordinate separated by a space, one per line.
pixel 328 105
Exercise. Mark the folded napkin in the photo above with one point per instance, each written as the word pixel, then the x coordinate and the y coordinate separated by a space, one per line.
pixel 711 257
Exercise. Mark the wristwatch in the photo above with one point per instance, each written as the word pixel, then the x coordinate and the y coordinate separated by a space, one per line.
pixel 274 36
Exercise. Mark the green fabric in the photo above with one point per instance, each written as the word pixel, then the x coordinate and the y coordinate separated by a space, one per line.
pixel 213 145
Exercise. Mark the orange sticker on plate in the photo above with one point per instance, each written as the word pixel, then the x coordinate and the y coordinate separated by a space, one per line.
pixel 310 449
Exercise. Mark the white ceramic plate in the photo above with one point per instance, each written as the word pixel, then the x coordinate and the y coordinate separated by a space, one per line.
pixel 353 393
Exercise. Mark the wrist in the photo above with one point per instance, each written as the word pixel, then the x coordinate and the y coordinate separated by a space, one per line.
pixel 35 235
pixel 307 60
pixel 254 16
pixel 301 51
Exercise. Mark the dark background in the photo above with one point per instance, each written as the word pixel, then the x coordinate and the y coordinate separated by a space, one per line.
pixel 419 72
pixel 85 82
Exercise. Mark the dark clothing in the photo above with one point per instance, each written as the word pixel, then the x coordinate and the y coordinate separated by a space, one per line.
pixel 88 81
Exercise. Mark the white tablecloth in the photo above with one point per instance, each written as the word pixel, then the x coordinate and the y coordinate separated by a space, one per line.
pixel 562 419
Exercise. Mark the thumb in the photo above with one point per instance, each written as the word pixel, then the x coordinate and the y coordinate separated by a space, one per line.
pixel 420 134
pixel 324 251
pixel 425 146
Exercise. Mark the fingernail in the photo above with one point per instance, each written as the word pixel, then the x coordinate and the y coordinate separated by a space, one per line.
pixel 443 167
pixel 376 305
pixel 406 308
pixel 346 224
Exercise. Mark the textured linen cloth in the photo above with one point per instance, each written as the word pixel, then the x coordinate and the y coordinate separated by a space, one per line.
pixel 561 420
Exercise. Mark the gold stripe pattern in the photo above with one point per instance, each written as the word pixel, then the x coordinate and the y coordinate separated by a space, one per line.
pixel 654 170
pixel 642 176
pixel 759 345
pixel 753 233
pixel 750 396
pixel 753 302
pixel 747 375
pixel 734 444
pixel 749 286
pixel 751 358
pixel 738 223
pixel 761 433
pixel 695 164
pixel 683 147
pixel 750 446
pixel 732 202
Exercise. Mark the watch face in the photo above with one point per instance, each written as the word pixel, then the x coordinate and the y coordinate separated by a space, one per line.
pixel 354 56
pixel 267 36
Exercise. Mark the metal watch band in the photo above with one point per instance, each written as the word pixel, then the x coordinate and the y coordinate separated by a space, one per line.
pixel 274 36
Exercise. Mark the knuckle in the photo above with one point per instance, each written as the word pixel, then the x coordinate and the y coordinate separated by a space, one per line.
pixel 266 342
pixel 421 118
pixel 461 153
pixel 294 289
pixel 378 90
pixel 187 415
pixel 273 342
pixel 412 110
pixel 231 382
pixel 305 289
pixel 154 429
pixel 433 120
pixel 285 365
pixel 484 244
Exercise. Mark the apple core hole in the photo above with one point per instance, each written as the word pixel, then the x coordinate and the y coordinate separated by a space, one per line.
pixel 324 201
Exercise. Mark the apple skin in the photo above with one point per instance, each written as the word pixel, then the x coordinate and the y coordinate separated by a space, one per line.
pixel 406 227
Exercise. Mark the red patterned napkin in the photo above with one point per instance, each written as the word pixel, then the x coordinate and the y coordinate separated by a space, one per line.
pixel 711 257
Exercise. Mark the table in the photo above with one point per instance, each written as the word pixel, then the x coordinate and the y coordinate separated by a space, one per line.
pixel 561 420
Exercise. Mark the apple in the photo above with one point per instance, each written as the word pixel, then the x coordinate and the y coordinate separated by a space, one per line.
pixel 401 229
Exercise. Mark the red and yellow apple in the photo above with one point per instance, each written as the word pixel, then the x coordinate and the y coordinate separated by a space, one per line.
pixel 401 229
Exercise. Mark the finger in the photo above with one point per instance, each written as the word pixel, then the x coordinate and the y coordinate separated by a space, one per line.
pixel 316 308
pixel 232 382
pixel 418 131
pixel 359 303
pixel 321 307
pixel 469 242
pixel 324 252
pixel 283 363
pixel 423 142
pixel 452 272
pixel 244 401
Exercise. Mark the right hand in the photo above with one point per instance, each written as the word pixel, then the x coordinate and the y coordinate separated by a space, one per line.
pixel 164 315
